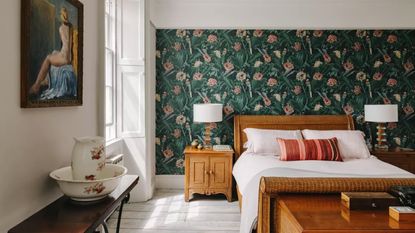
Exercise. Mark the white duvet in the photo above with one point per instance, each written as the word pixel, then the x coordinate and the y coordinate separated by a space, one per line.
pixel 249 169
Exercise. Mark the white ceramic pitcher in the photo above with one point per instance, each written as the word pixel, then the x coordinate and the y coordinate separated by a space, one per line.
pixel 88 158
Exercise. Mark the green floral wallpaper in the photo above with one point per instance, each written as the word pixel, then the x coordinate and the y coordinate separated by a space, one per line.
pixel 279 72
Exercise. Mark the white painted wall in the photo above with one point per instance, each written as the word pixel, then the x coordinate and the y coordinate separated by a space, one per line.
pixel 150 102
pixel 140 150
pixel 139 160
pixel 170 182
pixel 35 141
pixel 283 14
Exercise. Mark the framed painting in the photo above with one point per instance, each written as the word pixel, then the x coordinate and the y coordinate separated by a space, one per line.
pixel 51 53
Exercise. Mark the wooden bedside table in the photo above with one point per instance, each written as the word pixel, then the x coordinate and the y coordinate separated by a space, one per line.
pixel 208 172
pixel 404 159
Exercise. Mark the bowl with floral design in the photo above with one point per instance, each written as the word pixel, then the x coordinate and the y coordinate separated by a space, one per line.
pixel 91 189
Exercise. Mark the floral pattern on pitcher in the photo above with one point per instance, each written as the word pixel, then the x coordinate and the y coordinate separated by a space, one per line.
pixel 101 165
pixel 88 157
pixel 96 152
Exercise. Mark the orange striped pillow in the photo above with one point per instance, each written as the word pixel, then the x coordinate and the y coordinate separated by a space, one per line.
pixel 309 149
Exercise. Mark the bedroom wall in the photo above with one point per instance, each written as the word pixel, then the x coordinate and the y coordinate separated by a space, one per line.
pixel 276 14
pixel 273 14
pixel 279 72
pixel 34 142
pixel 283 14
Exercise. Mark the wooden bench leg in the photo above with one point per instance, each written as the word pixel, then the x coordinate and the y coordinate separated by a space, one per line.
pixel 125 200
pixel 104 224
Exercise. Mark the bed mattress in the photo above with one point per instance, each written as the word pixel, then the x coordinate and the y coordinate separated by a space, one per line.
pixel 250 167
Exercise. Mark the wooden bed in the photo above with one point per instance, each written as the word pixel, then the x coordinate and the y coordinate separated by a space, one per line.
pixel 268 219
pixel 319 122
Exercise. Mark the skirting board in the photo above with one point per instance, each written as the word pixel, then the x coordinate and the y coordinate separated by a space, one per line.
pixel 170 181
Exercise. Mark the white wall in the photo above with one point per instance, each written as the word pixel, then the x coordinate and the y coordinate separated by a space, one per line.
pixel 34 142
pixel 140 151
pixel 283 14
pixel 139 161
pixel 150 103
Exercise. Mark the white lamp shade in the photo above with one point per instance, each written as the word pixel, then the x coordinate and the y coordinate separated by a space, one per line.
pixel 207 113
pixel 381 113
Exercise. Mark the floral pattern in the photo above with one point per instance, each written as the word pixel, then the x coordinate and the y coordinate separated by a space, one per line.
pixel 279 72
pixel 96 152
pixel 101 166
pixel 90 177
pixel 96 188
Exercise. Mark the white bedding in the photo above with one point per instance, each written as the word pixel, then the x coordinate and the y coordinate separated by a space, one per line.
pixel 249 168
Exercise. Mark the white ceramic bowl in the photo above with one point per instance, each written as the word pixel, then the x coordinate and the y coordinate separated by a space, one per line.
pixel 89 190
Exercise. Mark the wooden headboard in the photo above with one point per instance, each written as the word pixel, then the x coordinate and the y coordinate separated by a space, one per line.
pixel 318 122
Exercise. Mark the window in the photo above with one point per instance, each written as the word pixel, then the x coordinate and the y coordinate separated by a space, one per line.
pixel 110 72
pixel 124 69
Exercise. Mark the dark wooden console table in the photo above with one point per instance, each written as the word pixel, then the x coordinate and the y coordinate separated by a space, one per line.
pixel 67 216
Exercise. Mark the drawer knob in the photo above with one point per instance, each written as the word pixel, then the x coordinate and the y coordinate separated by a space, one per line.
pixel 211 172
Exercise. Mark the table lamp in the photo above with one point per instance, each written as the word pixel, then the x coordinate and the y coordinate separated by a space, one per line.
pixel 207 113
pixel 381 114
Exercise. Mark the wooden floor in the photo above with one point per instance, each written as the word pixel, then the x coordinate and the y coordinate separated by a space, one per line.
pixel 168 213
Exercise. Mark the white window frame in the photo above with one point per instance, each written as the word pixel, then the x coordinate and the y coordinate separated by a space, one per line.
pixel 126 19
pixel 110 82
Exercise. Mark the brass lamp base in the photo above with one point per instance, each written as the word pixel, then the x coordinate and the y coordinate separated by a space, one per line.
pixel 207 141
pixel 381 137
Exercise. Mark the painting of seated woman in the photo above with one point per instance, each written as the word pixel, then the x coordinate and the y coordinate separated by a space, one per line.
pixel 52 53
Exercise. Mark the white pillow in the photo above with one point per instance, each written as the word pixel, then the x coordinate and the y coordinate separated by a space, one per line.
pixel 351 143
pixel 264 141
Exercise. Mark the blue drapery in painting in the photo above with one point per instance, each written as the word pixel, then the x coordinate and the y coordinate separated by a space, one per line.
pixel 62 83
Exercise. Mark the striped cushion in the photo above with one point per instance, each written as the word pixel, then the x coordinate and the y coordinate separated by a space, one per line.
pixel 309 149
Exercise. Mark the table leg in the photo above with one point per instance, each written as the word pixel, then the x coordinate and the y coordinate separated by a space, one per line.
pixel 104 224
pixel 125 200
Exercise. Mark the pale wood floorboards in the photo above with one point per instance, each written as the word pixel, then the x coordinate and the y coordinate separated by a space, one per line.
pixel 168 213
